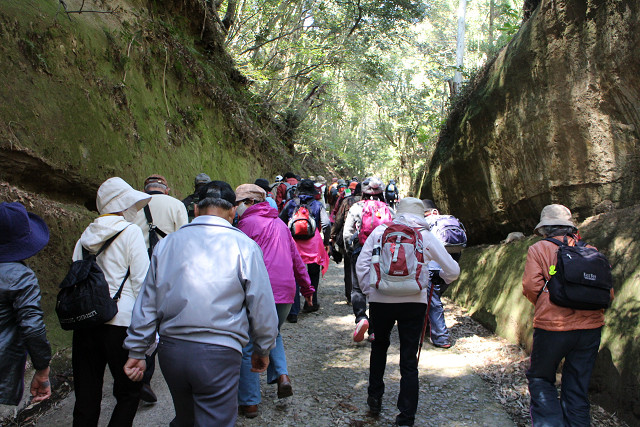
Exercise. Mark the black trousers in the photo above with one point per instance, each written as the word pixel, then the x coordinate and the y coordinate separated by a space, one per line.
pixel 358 299
pixel 410 318
pixel 347 277
pixel 314 274
pixel 93 350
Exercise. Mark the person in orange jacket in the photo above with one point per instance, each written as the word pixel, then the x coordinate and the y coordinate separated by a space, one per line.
pixel 559 333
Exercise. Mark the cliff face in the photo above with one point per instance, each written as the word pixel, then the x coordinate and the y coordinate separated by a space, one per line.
pixel 87 96
pixel 90 95
pixel 555 119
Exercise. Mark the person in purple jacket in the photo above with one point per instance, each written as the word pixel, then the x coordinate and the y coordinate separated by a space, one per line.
pixel 260 222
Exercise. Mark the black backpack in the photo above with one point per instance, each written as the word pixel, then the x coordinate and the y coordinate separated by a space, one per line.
pixel 581 278
pixel 154 231
pixel 84 300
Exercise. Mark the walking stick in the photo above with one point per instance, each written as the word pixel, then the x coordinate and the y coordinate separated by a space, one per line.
pixel 426 319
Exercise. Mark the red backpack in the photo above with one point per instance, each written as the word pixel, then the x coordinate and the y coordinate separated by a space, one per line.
pixel 374 213
pixel 302 224
pixel 397 260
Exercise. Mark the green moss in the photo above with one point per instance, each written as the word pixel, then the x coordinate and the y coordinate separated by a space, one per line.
pixel 490 286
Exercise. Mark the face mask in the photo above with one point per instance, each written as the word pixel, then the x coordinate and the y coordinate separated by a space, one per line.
pixel 130 214
pixel 241 208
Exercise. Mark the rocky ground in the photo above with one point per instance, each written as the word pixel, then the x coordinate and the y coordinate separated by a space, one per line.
pixel 478 382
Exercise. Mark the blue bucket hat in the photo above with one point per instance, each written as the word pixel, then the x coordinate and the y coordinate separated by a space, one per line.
pixel 22 234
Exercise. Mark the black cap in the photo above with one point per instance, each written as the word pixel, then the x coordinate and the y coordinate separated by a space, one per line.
pixel 217 190
pixel 263 183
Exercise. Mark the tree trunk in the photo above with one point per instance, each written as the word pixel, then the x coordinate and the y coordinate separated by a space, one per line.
pixel 457 77
pixel 491 15
pixel 230 14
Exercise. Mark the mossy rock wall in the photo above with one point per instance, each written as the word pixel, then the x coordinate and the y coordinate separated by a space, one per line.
pixel 555 118
pixel 490 286
pixel 93 95
pixel 88 96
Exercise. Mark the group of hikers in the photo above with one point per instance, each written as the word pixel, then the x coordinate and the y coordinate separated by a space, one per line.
pixel 205 284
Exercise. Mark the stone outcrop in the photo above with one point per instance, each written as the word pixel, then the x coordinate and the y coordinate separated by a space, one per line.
pixel 554 119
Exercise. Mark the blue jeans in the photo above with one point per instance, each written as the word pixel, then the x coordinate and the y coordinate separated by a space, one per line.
pixel 249 387
pixel 579 350
pixel 438 328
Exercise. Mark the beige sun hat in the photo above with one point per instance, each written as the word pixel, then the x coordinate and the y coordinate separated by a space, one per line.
pixel 411 205
pixel 554 215
pixel 250 191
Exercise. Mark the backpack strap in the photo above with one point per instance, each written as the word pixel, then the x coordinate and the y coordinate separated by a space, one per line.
pixel 104 246
pixel 147 214
pixel 154 231
pixel 116 297
pixel 557 242
pixel 554 241
pixel 565 241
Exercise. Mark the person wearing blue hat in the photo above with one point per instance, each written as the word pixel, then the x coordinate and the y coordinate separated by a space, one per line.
pixel 22 235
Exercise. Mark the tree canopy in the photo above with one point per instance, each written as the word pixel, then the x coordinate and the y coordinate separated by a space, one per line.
pixel 363 85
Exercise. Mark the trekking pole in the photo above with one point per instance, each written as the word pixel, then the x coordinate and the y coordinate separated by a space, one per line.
pixel 426 319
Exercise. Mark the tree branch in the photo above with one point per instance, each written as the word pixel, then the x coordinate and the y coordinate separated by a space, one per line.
pixel 258 46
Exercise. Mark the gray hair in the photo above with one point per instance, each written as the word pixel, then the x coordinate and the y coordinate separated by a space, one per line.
pixel 556 230
pixel 151 185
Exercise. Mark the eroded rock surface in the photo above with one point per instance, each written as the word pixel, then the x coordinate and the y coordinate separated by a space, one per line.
pixel 555 119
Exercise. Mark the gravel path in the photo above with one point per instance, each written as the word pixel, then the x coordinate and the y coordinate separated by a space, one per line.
pixel 478 382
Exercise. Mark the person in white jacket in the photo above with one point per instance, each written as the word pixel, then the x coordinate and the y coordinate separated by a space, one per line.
pixel 409 311
pixel 93 348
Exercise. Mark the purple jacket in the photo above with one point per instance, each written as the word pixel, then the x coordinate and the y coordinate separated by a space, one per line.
pixel 284 265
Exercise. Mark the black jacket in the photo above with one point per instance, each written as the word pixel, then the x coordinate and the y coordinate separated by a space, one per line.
pixel 22 329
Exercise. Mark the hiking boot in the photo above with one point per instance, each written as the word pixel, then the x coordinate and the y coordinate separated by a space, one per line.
pixel 371 337
pixel 361 329
pixel 284 387
pixel 292 318
pixel 445 345
pixel 147 395
pixel 310 309
pixel 375 405
pixel 249 411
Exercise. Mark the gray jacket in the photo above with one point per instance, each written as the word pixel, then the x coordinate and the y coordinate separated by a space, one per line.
pixel 207 283
pixel 22 329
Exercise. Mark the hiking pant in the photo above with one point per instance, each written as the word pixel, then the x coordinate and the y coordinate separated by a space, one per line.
pixel 347 277
pixel 438 328
pixel 358 299
pixel 92 350
pixel 249 386
pixel 579 349
pixel 151 367
pixel 203 381
pixel 314 274
pixel 410 318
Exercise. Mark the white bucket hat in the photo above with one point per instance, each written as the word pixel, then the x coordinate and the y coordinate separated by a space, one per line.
pixel 115 195
pixel 411 205
pixel 554 215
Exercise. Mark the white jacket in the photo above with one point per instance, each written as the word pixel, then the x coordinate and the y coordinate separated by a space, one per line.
pixel 127 251
pixel 169 214
pixel 433 250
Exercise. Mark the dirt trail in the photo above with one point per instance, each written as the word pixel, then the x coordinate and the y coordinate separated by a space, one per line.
pixel 329 374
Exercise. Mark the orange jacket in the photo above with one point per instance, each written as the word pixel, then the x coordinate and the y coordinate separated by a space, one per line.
pixel 547 315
